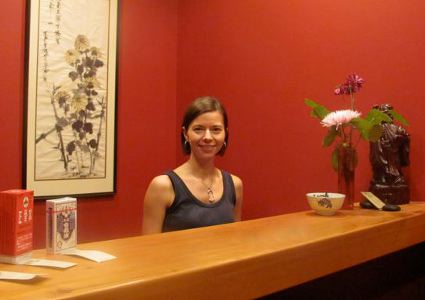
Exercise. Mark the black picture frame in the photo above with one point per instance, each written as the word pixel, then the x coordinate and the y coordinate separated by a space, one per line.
pixel 70 98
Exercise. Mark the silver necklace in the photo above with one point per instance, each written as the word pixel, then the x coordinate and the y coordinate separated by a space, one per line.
pixel 210 192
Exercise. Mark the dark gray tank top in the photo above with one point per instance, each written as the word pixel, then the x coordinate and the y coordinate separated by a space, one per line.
pixel 187 211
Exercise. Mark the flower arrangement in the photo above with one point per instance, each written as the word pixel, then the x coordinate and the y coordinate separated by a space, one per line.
pixel 346 128
pixel 342 124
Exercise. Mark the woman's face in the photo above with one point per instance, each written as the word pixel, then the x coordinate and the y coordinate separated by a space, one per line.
pixel 206 134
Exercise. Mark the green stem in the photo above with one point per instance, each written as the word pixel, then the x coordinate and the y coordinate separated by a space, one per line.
pixel 352 101
pixel 352 108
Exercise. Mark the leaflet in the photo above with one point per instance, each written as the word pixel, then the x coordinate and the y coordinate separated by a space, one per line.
pixel 97 256
pixel 6 275
pixel 49 263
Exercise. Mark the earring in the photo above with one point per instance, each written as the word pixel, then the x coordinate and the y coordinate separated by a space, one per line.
pixel 225 144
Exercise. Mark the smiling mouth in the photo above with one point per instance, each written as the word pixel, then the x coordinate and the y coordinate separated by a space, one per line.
pixel 207 146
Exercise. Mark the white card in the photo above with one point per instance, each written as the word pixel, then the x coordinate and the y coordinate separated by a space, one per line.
pixel 97 256
pixel 49 263
pixel 374 200
pixel 5 275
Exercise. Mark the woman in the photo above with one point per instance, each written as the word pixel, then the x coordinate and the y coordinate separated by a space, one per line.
pixel 195 194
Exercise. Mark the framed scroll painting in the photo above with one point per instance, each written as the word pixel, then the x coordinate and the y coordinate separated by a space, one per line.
pixel 70 97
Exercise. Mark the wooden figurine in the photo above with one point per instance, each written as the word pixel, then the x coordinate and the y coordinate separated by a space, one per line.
pixel 388 156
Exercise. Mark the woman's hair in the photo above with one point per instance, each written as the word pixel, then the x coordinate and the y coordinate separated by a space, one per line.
pixel 198 107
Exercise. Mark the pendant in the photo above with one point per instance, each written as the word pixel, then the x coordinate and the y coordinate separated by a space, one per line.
pixel 211 197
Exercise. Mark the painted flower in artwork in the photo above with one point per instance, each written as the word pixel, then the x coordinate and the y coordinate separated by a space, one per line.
pixel 79 102
pixel 72 56
pixel 95 52
pixel 81 43
pixel 79 107
pixel 62 97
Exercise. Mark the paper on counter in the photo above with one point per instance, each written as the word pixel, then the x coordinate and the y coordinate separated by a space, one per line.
pixel 5 275
pixel 97 256
pixel 49 263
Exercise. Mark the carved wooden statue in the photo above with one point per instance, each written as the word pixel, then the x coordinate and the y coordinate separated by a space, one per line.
pixel 387 156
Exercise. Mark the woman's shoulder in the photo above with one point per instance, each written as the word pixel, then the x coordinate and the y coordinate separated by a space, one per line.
pixel 160 190
pixel 236 180
pixel 161 181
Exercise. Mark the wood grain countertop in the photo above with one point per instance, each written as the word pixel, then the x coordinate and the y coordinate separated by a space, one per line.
pixel 241 260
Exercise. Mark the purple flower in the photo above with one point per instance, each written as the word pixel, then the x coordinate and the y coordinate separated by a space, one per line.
pixel 355 82
pixel 343 89
pixel 352 85
pixel 337 91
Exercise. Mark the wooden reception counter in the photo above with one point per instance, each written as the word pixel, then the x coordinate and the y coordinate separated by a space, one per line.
pixel 235 261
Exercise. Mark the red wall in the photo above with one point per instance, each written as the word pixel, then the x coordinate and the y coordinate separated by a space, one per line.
pixel 262 58
pixel 146 137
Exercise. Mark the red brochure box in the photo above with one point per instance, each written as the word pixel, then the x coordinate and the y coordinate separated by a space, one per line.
pixel 16 225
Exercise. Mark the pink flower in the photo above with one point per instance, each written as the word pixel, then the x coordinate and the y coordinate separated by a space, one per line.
pixel 355 80
pixel 339 117
pixel 342 89
pixel 352 85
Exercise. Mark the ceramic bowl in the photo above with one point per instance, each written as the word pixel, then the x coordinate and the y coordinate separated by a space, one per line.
pixel 325 204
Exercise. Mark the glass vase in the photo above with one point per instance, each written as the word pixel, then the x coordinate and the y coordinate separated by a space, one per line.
pixel 347 161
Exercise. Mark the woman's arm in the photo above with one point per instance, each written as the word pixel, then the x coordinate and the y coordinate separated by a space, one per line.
pixel 159 196
pixel 239 196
